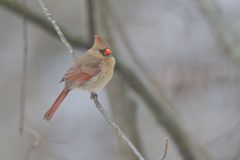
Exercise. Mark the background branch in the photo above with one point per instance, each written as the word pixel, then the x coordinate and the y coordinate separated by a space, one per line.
pixel 165 150
pixel 24 73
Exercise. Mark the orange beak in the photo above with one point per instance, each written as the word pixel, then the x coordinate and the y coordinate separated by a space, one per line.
pixel 107 52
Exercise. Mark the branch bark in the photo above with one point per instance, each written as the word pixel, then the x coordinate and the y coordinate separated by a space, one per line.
pixel 124 114
pixel 115 126
pixel 57 29
pixel 165 150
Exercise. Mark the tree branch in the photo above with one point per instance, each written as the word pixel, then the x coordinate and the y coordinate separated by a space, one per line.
pixel 94 96
pixel 165 150
pixel 163 116
pixel 124 113
pixel 57 29
pixel 24 73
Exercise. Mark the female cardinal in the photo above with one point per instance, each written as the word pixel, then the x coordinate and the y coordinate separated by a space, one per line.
pixel 91 71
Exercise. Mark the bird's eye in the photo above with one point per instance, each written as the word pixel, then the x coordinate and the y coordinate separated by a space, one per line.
pixel 105 52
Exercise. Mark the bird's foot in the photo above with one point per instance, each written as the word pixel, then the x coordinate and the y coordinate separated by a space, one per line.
pixel 93 95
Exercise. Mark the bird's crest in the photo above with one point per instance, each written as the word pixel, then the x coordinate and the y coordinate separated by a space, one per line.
pixel 99 43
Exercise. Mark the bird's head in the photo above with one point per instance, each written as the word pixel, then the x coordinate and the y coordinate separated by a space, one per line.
pixel 100 47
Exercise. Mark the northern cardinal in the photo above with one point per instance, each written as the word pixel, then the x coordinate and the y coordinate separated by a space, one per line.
pixel 91 71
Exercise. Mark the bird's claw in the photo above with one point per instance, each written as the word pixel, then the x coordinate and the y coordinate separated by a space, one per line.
pixel 93 95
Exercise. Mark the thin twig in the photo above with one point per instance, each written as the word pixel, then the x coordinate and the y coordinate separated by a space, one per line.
pixel 58 30
pixel 119 132
pixel 24 73
pixel 165 150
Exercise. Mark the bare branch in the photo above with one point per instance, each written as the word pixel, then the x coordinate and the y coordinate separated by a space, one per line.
pixel 124 113
pixel 56 27
pixel 24 73
pixel 117 129
pixel 165 150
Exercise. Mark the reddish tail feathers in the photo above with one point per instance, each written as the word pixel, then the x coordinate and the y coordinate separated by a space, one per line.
pixel 48 115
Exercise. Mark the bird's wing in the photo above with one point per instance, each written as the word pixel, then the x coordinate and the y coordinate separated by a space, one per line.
pixel 83 70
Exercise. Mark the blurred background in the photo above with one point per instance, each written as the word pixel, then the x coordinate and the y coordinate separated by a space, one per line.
pixel 177 76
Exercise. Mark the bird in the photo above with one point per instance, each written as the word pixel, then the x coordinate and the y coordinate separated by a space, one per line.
pixel 91 71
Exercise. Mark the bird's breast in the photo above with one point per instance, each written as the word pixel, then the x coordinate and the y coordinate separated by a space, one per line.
pixel 99 81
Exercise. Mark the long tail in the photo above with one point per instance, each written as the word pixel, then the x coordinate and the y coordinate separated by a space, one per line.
pixel 48 115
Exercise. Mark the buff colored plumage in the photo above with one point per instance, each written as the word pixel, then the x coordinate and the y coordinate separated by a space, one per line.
pixel 91 72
